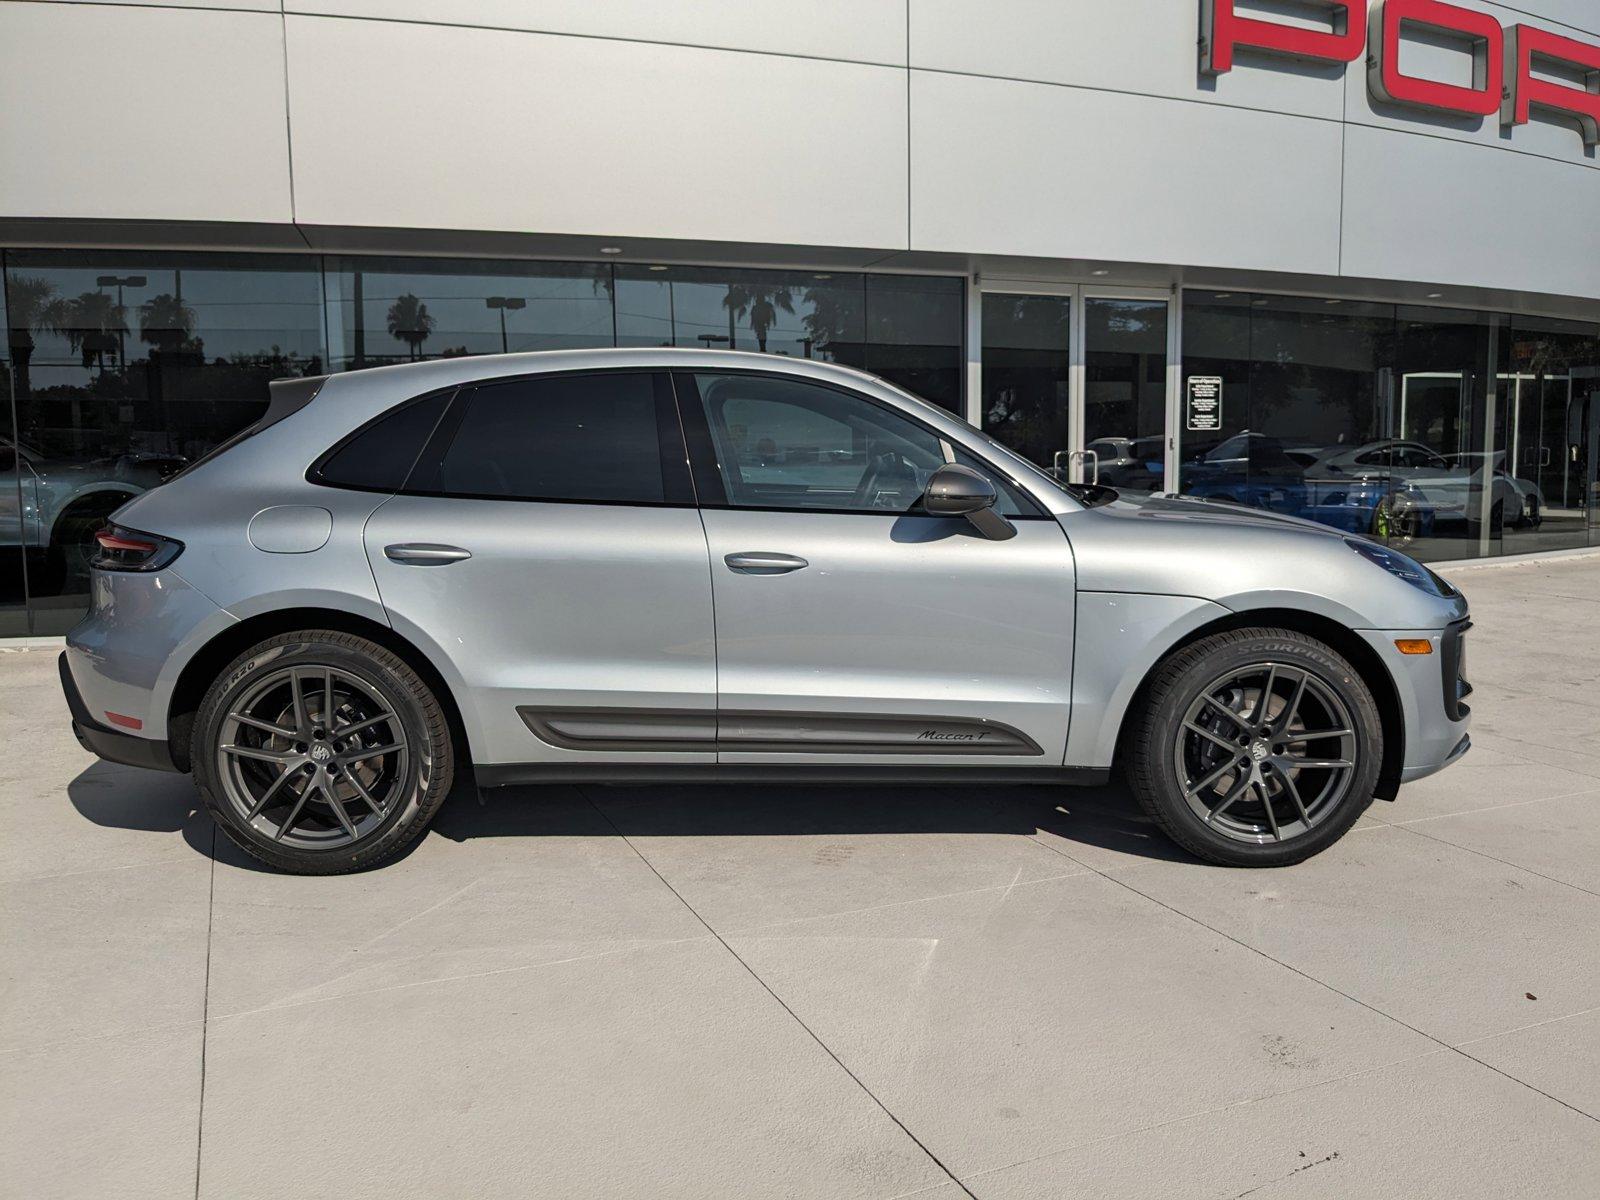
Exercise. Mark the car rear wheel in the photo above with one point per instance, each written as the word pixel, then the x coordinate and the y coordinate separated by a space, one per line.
pixel 1257 747
pixel 321 752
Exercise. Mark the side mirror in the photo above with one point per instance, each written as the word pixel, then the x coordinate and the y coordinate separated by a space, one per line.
pixel 957 491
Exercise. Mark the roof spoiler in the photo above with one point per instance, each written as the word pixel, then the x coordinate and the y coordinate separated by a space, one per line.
pixel 289 396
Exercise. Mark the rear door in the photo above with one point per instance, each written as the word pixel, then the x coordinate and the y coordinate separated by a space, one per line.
pixel 547 547
pixel 852 629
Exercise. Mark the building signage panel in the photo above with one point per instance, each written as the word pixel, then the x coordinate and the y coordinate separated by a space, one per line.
pixel 1203 404
pixel 1512 66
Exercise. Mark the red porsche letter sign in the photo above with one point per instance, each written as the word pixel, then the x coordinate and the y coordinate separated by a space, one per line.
pixel 1223 30
pixel 1524 91
pixel 1479 31
pixel 1511 68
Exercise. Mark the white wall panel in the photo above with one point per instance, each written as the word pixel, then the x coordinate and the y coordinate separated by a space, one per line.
pixel 1147 46
pixel 142 113
pixel 271 6
pixel 857 30
pixel 440 127
pixel 1580 14
pixel 1001 167
pixel 1433 210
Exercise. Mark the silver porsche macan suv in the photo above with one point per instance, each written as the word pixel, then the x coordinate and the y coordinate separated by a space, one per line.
pixel 646 565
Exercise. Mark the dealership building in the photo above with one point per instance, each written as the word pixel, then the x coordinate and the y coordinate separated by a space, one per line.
pixel 1335 258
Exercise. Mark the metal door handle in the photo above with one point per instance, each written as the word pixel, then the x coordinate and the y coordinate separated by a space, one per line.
pixel 759 562
pixel 425 554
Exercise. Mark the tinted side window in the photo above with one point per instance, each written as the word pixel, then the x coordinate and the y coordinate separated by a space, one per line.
pixel 380 456
pixel 782 443
pixel 596 438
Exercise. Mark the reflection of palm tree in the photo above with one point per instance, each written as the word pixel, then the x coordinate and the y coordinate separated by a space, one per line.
pixel 761 302
pixel 92 322
pixel 165 322
pixel 410 322
pixel 33 309
pixel 836 322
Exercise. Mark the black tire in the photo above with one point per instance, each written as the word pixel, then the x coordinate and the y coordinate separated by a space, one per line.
pixel 1158 741
pixel 408 783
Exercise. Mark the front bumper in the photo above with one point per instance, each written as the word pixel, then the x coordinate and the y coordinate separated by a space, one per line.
pixel 1432 690
pixel 111 744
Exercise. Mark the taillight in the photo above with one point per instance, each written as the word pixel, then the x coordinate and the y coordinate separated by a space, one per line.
pixel 119 549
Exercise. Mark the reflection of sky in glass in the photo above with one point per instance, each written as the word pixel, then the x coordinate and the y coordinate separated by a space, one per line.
pixel 800 313
pixel 236 311
pixel 564 306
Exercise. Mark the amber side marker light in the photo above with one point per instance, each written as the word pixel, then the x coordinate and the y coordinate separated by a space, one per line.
pixel 1413 645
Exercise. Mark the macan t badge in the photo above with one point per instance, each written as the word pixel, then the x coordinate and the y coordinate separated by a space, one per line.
pixel 1512 67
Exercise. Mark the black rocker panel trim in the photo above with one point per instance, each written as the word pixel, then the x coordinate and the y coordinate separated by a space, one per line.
pixel 677 730
pixel 909 774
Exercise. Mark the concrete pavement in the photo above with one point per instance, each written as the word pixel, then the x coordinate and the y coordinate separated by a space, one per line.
pixel 814 992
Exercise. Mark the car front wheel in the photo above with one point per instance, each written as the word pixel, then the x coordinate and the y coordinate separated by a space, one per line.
pixel 1257 747
pixel 320 752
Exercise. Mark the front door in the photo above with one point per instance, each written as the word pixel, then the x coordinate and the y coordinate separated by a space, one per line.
pixel 548 546
pixel 850 629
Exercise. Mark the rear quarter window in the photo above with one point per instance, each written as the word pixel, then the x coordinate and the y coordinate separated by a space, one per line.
pixel 379 456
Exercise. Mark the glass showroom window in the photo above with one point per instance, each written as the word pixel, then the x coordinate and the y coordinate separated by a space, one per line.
pixel 1362 416
pixel 13 613
pixel 905 328
pixel 127 366
pixel 394 310
pixel 1548 448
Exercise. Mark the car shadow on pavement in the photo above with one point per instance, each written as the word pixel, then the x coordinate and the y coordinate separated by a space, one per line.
pixel 1105 818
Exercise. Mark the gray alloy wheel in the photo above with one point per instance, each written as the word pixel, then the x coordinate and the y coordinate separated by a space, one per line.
pixel 1255 747
pixel 312 757
pixel 1266 752
pixel 321 752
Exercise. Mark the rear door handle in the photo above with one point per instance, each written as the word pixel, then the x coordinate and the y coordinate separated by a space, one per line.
pixel 425 554
pixel 760 562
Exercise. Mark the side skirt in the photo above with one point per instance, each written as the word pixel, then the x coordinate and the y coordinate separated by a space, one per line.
pixel 909 775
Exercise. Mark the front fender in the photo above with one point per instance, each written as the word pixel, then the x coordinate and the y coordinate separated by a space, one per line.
pixel 1120 637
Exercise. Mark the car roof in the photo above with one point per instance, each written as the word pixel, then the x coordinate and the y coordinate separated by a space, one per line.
pixel 441 372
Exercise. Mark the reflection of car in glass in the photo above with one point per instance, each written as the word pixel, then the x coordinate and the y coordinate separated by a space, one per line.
pixel 1128 464
pixel 63 503
pixel 1527 509
pixel 1259 471
pixel 1452 487
pixel 644 565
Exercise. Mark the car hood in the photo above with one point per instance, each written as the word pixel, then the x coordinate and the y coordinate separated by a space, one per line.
pixel 1243 558
pixel 1164 507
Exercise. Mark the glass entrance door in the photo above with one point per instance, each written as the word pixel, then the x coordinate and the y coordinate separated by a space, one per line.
pixel 1027 375
pixel 1125 355
pixel 1081 382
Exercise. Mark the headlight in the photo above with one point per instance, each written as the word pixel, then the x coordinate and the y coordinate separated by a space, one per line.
pixel 1402 567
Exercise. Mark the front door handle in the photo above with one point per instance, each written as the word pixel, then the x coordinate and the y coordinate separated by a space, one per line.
pixel 425 554
pixel 760 562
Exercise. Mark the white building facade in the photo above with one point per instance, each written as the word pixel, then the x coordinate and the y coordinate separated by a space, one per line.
pixel 1337 258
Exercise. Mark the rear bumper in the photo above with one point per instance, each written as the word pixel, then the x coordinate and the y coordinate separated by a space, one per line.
pixel 111 744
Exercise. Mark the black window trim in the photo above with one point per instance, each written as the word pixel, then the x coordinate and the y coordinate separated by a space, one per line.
pixel 708 473
pixel 676 476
